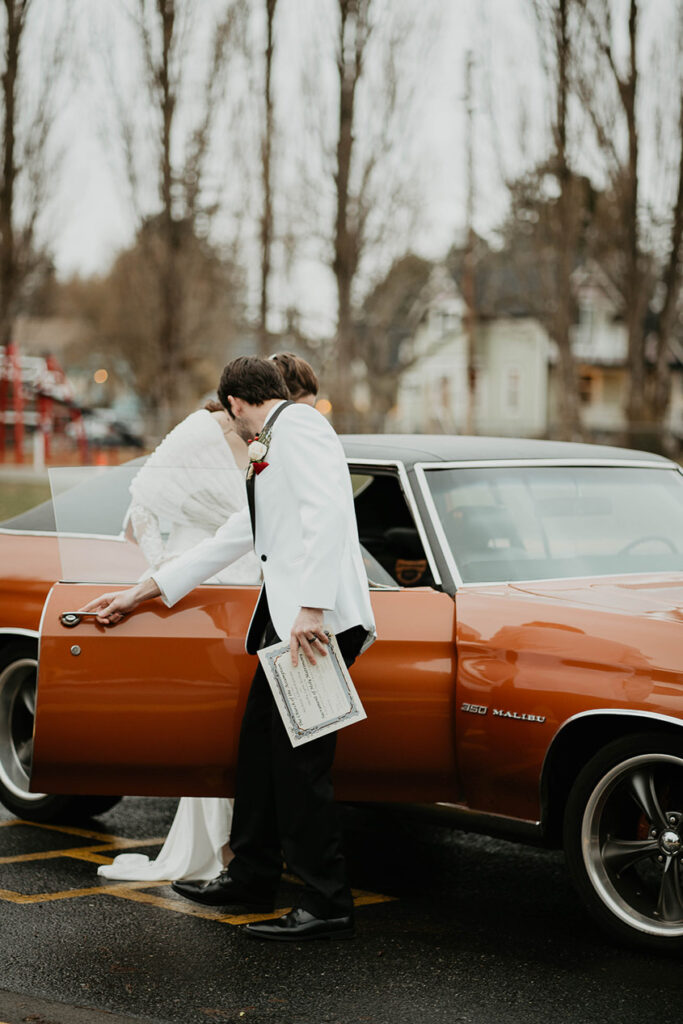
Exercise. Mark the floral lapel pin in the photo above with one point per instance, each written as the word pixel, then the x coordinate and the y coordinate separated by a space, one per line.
pixel 258 449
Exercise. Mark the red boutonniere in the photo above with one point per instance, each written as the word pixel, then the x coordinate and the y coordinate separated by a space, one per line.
pixel 258 449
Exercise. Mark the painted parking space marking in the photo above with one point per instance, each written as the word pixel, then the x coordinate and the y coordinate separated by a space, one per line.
pixel 81 852
pixel 137 892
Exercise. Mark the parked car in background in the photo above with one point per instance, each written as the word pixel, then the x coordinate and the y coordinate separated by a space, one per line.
pixel 527 680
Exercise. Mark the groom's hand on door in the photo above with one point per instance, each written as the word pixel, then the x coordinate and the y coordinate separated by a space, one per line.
pixel 308 635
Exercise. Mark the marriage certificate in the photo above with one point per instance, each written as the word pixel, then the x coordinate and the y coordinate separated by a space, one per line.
pixel 313 700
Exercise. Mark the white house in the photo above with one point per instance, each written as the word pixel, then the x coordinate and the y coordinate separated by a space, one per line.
pixel 511 356
pixel 600 346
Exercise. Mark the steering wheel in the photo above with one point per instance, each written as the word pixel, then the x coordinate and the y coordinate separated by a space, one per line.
pixel 644 540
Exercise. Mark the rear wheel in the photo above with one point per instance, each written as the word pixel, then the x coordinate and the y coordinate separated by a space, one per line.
pixel 623 838
pixel 18 675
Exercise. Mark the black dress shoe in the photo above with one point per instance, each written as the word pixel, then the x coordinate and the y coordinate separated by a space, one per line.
pixel 299 924
pixel 222 891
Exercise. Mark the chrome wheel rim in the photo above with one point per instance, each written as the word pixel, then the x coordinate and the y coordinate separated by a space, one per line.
pixel 17 716
pixel 632 838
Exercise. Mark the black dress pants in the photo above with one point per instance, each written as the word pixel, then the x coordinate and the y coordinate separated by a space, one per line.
pixel 284 802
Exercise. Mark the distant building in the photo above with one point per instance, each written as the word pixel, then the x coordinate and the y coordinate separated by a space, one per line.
pixel 600 346
pixel 517 378
pixel 511 364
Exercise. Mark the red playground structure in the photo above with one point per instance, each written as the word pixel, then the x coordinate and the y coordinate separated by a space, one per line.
pixel 36 397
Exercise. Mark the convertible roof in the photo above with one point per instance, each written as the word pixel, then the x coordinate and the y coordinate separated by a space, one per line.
pixel 412 448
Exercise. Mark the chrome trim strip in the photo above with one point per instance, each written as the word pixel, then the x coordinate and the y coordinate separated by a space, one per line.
pixel 412 505
pixel 421 477
pixel 119 537
pixel 40 641
pixel 493 815
pixel 469 819
pixel 8 631
pixel 569 579
pixel 503 463
pixel 624 712
pixel 40 632
pixel 630 712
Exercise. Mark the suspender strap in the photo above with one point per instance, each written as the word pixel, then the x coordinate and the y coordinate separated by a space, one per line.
pixel 251 499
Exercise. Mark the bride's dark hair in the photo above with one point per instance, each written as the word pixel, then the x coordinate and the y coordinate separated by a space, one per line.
pixel 299 375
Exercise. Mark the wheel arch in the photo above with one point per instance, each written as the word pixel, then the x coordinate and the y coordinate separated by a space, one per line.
pixel 8 634
pixel 576 742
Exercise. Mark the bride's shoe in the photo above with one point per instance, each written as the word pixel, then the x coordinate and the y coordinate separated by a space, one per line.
pixel 223 891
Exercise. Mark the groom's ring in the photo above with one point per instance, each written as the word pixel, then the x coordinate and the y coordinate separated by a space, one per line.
pixel 312 637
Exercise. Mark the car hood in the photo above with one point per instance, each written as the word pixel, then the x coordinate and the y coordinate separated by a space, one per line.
pixel 657 595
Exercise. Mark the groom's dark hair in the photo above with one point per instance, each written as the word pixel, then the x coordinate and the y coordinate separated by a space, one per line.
pixel 252 379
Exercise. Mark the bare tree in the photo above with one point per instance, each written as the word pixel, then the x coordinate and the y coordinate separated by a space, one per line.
pixel 386 327
pixel 468 277
pixel 353 35
pixel 119 308
pixel 27 173
pixel 180 134
pixel 373 203
pixel 645 277
pixel 553 18
pixel 267 178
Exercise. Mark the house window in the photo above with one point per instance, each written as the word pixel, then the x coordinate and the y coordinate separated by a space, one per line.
pixel 513 389
pixel 446 322
pixel 585 388
pixel 587 316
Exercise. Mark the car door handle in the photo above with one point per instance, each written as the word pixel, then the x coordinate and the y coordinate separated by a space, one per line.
pixel 71 619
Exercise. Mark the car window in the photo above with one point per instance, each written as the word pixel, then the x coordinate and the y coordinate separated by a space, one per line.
pixel 85 500
pixel 96 502
pixel 387 529
pixel 515 523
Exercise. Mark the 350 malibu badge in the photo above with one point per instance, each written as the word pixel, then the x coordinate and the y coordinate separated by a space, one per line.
pixel 482 709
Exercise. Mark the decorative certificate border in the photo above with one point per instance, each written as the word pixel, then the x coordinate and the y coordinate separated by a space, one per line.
pixel 276 664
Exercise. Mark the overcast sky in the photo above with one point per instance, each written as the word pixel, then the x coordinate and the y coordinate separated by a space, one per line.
pixel 96 217
pixel 92 218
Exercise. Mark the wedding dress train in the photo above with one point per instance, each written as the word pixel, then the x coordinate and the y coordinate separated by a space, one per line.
pixel 193 848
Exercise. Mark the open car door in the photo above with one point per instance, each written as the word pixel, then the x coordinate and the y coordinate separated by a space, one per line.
pixel 152 705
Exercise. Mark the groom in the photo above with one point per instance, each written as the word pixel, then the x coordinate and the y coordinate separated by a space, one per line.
pixel 300 521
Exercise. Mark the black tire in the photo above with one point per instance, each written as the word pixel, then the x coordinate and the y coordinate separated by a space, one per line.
pixel 623 840
pixel 18 667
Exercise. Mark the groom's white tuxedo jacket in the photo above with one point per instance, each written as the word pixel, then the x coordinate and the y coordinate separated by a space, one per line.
pixel 306 534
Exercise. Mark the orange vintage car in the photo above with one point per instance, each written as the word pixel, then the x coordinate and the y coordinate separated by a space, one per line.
pixel 527 680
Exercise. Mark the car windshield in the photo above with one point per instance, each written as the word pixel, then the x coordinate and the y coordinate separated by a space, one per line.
pixel 549 522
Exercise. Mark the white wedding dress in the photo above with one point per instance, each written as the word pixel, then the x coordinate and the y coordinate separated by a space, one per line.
pixel 187 488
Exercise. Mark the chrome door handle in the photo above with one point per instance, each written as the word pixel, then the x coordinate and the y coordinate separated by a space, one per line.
pixel 71 619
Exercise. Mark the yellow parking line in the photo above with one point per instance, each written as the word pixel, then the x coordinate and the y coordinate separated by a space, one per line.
pixel 92 858
pixel 361 899
pixel 193 910
pixel 80 852
pixel 67 894
pixel 133 890
pixel 71 830
pixel 367 899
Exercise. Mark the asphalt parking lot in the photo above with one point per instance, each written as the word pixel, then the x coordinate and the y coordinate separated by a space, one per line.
pixel 451 928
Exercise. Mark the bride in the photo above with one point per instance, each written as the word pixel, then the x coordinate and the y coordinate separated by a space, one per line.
pixel 187 488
